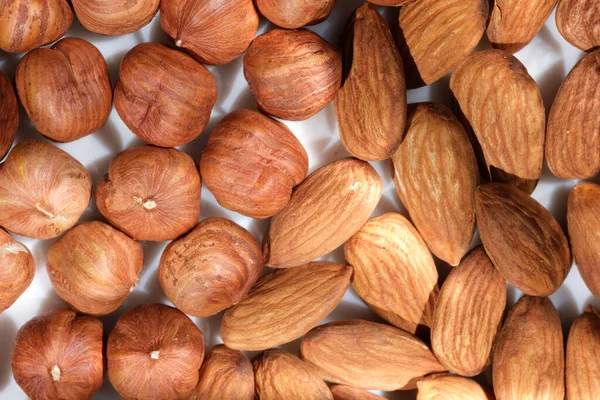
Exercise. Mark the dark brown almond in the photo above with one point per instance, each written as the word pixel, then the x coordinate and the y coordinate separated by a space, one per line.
pixel 583 357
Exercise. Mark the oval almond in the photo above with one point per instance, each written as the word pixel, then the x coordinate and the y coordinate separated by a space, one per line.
pixel 578 21
pixel 583 357
pixel 450 387
pixel 345 392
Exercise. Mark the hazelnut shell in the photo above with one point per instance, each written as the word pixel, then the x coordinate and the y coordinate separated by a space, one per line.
pixel 17 269
pixel 293 14
pixel 9 114
pixel 111 17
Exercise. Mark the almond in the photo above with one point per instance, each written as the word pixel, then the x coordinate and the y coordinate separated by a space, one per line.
pixel 394 272
pixel 436 177
pixel 323 212
pixel 492 86
pixel 578 22
pixel 344 392
pixel 390 2
pixel 529 356
pixel 450 387
pixel 285 304
pixel 368 355
pixel 583 357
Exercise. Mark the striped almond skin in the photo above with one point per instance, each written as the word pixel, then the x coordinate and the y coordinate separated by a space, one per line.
pixel 394 272
pixel 435 172
pixel 27 24
pixel 467 314
pixel 529 361
pixel 345 392
pixel 583 357
pixel 285 304
pixel 391 3
pixel 109 17
pixel 450 387
pixel 573 135
pixel 294 14
pixel 9 114
pixel 368 355
pixel 578 22
pixel 17 269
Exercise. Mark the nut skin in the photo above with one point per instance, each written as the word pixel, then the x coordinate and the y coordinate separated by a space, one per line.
pixel 345 392
pixel 582 361
pixel 94 267
pixel 293 14
pixel 65 90
pixel 17 269
pixel 110 17
pixel 211 268
pixel 59 356
pixel 213 31
pixel 151 193
pixel 9 114
pixel 578 22
pixel 391 3
pixel 251 164
pixel 163 95
pixel 43 190
pixel 154 352
pixel 450 387
pixel 292 74
pixel 27 24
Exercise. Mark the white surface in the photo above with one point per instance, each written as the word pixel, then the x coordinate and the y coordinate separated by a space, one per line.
pixel 548 58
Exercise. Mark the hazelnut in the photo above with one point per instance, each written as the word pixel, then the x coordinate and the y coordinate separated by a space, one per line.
pixel 251 164
pixel 17 269
pixel 151 193
pixel 212 31
pixel 94 267
pixel 9 114
pixel 43 190
pixel 65 89
pixel 59 356
pixel 164 96
pixel 27 24
pixel 294 14
pixel 211 268
pixel 292 74
pixel 110 17
pixel 154 352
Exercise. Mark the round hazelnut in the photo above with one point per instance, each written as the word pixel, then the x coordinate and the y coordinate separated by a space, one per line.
pixel 59 356
pixel 43 190
pixel 293 14
pixel 110 17
pixel 211 268
pixel 94 267
pixel 27 24
pixel 251 164
pixel 292 74
pixel 17 269
pixel 9 114
pixel 154 352
pixel 151 193
pixel 65 90
pixel 164 96
pixel 212 31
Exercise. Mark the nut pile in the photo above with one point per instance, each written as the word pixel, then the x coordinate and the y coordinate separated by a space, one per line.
pixel 458 168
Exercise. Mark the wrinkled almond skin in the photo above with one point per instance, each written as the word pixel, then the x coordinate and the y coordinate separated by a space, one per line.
pixel 110 17
pixel 225 374
pixel 583 357
pixel 391 2
pixel 573 135
pixel 522 239
pixel 450 387
pixel 435 36
pixel 368 355
pixel 294 14
pixel 27 24
pixel 251 164
pixel 435 172
pixel 292 74
pixel 467 314
pixel 394 272
pixel 43 190
pixel 490 86
pixel 151 193
pixel 9 114
pixel 578 23
pixel 284 305
pixel 164 96
pixel 371 105
pixel 344 392
pixel 213 31
pixel 325 210
pixel 529 358
pixel 17 269
pixel 211 268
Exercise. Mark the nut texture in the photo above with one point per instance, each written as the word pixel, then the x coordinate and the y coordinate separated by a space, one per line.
pixel 391 2
pixel 293 14
pixel 344 392
pixel 583 356
pixel 94 267
pixel 292 74
pixel 251 164
pixel 151 193
pixel 211 268
pixel 578 22
pixel 17 269
pixel 109 17
pixel 43 190
pixel 450 387
pixel 9 115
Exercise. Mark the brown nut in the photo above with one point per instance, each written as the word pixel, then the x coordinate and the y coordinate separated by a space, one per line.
pixel 211 268
pixel 65 89
pixel 164 96
pixel 43 190
pixel 9 114
pixel 59 356
pixel 578 22
pixel 94 267
pixel 391 3
pixel 345 392
pixel 110 17
pixel 154 352
pixel 251 164
pixel 450 387
pixel 27 24
pixel 293 14
pixel 212 31
pixel 17 269
pixel 292 74
pixel 582 362
pixel 151 193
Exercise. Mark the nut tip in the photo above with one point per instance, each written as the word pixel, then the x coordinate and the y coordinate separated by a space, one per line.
pixel 55 372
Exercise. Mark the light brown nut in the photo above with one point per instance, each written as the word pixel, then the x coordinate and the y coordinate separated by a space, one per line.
pixel 391 3
pixel 110 17
pixel 578 21
pixel 450 387
pixel 293 14
pixel 583 357
pixel 9 114
pixel 344 392
pixel 17 269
